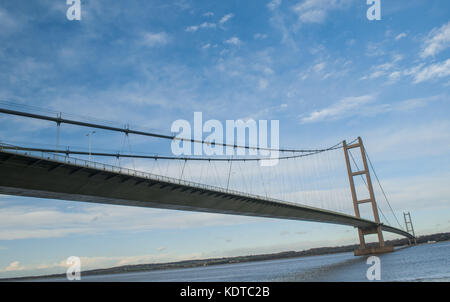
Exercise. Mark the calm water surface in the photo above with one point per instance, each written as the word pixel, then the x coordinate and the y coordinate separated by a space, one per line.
pixel 426 262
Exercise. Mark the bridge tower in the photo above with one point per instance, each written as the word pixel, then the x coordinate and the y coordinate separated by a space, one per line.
pixel 363 249
pixel 409 226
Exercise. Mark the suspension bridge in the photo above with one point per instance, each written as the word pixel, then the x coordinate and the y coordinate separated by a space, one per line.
pixel 329 185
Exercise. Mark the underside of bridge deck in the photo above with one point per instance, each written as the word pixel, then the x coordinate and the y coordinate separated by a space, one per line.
pixel 44 177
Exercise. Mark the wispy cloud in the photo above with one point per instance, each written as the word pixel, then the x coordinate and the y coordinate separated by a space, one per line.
pixel 438 40
pixel 225 18
pixel 378 71
pixel 206 46
pixel 192 28
pixel 278 21
pixel 400 36
pixel 316 11
pixel 13 266
pixel 364 105
pixel 25 222
pixel 274 4
pixel 389 69
pixel 96 262
pixel 319 66
pixel 259 36
pixel 325 68
pixel 208 25
pixel 437 70
pixel 410 141
pixel 342 108
pixel 233 41
pixel 155 39
pixel 8 23
pixel 204 25
pixel 374 50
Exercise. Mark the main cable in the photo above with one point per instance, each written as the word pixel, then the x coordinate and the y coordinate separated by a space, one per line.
pixel 156 157
pixel 382 190
pixel 127 130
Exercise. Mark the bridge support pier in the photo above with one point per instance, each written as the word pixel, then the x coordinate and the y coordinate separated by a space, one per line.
pixel 374 250
pixel 363 249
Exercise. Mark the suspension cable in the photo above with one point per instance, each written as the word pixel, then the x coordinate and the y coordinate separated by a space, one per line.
pixel 127 130
pixel 382 190
pixel 353 159
pixel 67 151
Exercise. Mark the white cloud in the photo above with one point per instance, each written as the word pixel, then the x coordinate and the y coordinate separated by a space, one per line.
pixel 312 16
pixel 362 105
pixel 192 28
pixel 438 40
pixel 395 75
pixel 274 4
pixel 155 39
pixel 386 69
pixel 278 21
pixel 316 11
pixel 411 104
pixel 206 25
pixel 409 141
pixel 259 36
pixel 233 41
pixel 400 36
pixel 397 58
pixel 225 18
pixel 96 262
pixel 319 67
pixel 263 83
pixel 30 72
pixel 14 266
pixel 374 50
pixel 374 75
pixel 437 70
pixel 8 23
pixel 208 14
pixel 24 222
pixel 325 70
pixel 422 191
pixel 342 108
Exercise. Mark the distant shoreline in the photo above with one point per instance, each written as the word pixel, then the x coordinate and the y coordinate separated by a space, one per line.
pixel 237 259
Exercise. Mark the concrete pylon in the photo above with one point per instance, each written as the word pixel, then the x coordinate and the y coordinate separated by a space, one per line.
pixel 363 249
pixel 409 226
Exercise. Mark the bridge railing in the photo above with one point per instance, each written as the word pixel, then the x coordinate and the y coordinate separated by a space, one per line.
pixel 82 163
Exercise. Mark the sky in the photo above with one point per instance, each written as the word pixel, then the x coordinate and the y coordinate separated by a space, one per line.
pixel 320 67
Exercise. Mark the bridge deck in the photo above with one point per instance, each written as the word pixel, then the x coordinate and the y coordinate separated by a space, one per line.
pixel 58 177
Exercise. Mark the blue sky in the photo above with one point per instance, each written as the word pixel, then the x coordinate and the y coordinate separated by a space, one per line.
pixel 320 67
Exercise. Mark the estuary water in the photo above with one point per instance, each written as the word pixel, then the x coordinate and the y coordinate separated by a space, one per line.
pixel 425 262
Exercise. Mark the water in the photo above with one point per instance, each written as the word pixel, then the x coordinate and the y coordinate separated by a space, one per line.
pixel 426 262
